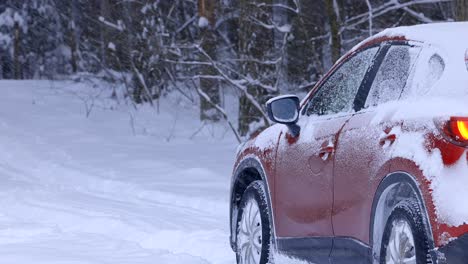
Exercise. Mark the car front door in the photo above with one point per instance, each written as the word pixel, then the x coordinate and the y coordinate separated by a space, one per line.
pixel 365 145
pixel 304 164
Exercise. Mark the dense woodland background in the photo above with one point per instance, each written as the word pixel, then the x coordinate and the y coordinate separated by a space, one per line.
pixel 202 49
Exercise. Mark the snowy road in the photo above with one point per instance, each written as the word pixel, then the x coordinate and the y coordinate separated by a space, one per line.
pixel 87 190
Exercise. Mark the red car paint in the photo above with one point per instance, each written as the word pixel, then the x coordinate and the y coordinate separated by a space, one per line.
pixel 321 185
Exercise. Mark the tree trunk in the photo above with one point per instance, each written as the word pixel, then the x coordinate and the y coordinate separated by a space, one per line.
pixel 74 36
pixel 104 12
pixel 16 52
pixel 461 10
pixel 73 45
pixel 207 10
pixel 331 7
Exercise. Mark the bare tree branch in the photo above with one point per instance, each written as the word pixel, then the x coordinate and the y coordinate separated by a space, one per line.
pixel 242 88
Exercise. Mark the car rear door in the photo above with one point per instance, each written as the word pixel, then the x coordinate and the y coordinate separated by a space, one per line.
pixel 304 164
pixel 362 152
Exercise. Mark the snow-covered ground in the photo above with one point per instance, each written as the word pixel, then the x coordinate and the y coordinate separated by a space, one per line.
pixel 113 187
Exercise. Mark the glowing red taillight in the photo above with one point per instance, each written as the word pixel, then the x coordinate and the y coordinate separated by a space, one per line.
pixel 457 130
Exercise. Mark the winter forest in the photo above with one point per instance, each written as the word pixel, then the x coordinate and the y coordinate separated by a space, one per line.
pixel 120 123
pixel 202 49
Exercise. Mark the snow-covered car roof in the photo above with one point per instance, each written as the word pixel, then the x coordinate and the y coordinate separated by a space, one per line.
pixel 437 33
pixel 452 37
pixel 450 41
pixel 448 36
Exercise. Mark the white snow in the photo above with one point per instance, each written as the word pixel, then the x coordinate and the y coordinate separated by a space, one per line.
pixel 269 137
pixel 452 36
pixel 447 182
pixel 203 22
pixel 6 18
pixel 286 28
pixel 283 259
pixel 450 41
pixel 421 108
pixel 279 97
pixel 17 18
pixel 466 58
pixel 117 26
pixel 111 46
pixel 87 190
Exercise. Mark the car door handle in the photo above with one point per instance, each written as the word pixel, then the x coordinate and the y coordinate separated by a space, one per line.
pixel 326 152
pixel 388 138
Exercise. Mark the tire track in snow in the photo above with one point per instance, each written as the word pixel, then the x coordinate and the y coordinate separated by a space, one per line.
pixel 77 190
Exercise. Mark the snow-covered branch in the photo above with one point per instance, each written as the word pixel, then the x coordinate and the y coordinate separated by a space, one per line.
pixel 117 26
pixel 186 24
pixel 286 28
pixel 295 10
pixel 221 111
pixel 371 17
pixel 236 84
pixel 384 9
pixel 420 16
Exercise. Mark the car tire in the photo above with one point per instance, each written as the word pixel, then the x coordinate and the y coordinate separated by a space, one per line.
pixel 405 236
pixel 253 218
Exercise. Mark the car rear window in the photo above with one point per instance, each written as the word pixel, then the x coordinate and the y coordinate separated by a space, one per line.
pixel 439 72
pixel 435 69
pixel 393 75
pixel 430 69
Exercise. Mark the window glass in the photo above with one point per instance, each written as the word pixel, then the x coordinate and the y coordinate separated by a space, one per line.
pixel 393 75
pixel 436 67
pixel 338 92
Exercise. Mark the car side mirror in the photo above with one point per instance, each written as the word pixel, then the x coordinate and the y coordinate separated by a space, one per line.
pixel 285 110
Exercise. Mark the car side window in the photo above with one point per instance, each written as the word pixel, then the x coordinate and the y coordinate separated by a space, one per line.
pixel 337 93
pixel 393 75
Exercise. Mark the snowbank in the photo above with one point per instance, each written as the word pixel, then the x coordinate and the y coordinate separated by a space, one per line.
pixel 115 187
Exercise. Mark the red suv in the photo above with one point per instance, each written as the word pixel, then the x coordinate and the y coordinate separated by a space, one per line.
pixel 371 167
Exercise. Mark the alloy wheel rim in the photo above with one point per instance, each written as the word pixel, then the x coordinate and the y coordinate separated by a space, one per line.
pixel 401 247
pixel 249 238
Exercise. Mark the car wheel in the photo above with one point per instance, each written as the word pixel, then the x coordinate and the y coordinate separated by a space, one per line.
pixel 405 238
pixel 254 227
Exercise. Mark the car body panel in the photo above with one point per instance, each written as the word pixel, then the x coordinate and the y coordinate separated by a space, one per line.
pixel 359 169
pixel 305 181
pixel 258 154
